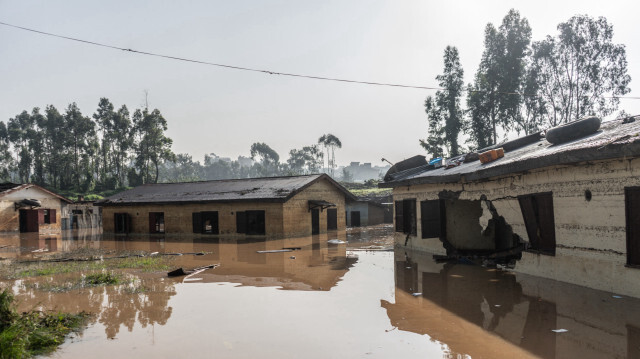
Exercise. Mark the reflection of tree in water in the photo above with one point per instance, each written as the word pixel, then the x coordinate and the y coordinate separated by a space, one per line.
pixel 145 301
pixel 149 305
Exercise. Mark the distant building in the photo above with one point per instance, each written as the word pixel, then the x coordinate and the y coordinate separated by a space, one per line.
pixel 30 208
pixel 272 206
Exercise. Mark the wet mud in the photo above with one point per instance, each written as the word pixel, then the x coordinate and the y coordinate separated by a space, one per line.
pixel 344 295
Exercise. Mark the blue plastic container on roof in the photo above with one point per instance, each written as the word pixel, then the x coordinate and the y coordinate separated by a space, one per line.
pixel 436 162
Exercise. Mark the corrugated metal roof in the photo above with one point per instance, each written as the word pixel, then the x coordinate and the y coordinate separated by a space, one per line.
pixel 268 189
pixel 614 139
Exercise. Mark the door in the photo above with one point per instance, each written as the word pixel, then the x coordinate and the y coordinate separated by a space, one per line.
pixel 29 220
pixel 156 222
pixel 332 219
pixel 355 218
pixel 315 221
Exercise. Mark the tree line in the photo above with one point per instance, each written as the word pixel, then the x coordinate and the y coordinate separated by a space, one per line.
pixel 71 151
pixel 264 161
pixel 523 86
pixel 114 149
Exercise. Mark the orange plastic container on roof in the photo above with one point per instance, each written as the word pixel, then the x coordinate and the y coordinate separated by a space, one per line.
pixel 491 155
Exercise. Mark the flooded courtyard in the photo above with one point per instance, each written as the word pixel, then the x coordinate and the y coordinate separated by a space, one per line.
pixel 345 295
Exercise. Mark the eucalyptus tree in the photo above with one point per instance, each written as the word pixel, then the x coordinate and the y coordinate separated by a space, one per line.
pixel 494 99
pixel 330 142
pixel 21 129
pixel 581 71
pixel 6 160
pixel 151 145
pixel 58 161
pixel 444 114
pixel 267 159
pixel 104 117
pixel 80 141
pixel 307 160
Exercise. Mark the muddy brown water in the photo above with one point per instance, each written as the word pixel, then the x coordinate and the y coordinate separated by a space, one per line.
pixel 322 300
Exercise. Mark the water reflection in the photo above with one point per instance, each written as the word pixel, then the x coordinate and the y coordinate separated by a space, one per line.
pixel 520 309
pixel 312 264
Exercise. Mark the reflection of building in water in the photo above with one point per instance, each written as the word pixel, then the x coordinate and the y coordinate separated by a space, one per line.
pixel 313 264
pixel 519 308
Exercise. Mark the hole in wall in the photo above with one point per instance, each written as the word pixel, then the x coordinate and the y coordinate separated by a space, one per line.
pixel 587 195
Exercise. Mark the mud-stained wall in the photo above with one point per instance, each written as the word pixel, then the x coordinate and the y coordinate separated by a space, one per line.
pixel 10 218
pixel 590 234
pixel 178 219
pixel 463 227
pixel 296 214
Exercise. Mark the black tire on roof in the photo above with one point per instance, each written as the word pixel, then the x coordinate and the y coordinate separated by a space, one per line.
pixel 573 130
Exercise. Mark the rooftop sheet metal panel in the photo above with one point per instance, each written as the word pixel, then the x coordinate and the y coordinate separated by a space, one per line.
pixel 272 189
pixel 614 139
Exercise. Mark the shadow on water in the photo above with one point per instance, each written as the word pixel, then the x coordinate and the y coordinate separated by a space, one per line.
pixel 441 299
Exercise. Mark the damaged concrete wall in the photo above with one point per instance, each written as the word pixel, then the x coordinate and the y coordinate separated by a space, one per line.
pixel 464 229
pixel 589 214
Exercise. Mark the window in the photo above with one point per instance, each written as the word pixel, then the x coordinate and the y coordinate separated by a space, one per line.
pixel 432 219
pixel 332 219
pixel 250 222
pixel 537 211
pixel 205 222
pixel 156 222
pixel 122 223
pixel 406 216
pixel 46 216
pixel 632 214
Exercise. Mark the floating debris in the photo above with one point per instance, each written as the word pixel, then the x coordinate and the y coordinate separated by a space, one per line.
pixel 559 330
pixel 336 241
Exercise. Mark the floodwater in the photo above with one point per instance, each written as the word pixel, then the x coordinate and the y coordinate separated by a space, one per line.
pixel 324 300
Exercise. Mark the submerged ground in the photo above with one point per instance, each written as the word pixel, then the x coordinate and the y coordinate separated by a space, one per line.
pixel 311 297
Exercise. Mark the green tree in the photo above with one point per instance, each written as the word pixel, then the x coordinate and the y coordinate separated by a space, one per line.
pixel 58 159
pixel 6 161
pixel 151 145
pixel 581 71
pixel 443 110
pixel 494 99
pixel 21 131
pixel 105 118
pixel 80 131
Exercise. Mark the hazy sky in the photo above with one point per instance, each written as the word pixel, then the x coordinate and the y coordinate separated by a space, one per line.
pixel 211 109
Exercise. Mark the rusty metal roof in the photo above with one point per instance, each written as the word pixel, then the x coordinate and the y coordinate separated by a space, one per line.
pixel 267 189
pixel 614 139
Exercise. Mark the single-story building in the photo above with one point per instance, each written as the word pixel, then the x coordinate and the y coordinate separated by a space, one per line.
pixel 82 214
pixel 369 212
pixel 272 206
pixel 30 208
pixel 573 207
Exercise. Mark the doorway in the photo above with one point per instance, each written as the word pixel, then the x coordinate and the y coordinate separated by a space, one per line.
pixel 315 221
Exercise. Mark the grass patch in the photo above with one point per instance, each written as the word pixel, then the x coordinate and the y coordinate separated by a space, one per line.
pixel 33 333
pixel 101 279
pixel 147 264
